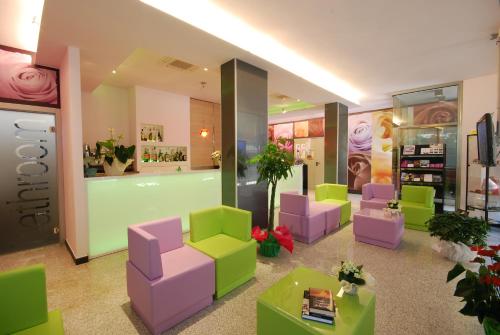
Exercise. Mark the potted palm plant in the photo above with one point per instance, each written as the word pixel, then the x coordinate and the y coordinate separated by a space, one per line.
pixel 273 164
pixel 116 157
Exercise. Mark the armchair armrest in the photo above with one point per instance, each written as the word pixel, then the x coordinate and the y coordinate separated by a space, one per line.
pixel 205 223
pixel 429 197
pixel 321 192
pixel 237 223
pixel 366 192
pixel 144 252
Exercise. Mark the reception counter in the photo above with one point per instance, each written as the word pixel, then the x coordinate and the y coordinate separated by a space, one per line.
pixel 114 203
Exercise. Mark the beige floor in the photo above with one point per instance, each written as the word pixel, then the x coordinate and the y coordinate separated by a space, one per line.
pixel 412 294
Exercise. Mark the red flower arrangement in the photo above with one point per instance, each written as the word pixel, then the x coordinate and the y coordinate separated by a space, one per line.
pixel 480 290
pixel 271 241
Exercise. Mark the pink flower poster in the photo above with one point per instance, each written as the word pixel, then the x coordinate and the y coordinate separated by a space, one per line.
pixel 24 83
pixel 284 133
pixel 360 145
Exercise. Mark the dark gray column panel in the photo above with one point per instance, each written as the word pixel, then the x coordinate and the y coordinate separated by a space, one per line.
pixel 335 143
pixel 244 134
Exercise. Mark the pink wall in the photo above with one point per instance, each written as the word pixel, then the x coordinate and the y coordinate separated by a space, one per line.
pixel 75 194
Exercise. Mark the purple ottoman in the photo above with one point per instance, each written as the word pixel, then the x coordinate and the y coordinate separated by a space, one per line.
pixel 375 227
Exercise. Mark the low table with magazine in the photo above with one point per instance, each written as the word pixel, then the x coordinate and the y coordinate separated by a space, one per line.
pixel 378 227
pixel 280 308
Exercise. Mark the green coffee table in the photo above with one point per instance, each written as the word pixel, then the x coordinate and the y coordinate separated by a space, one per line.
pixel 279 307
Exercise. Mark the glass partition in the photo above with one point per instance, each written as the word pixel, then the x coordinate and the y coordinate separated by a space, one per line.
pixel 430 116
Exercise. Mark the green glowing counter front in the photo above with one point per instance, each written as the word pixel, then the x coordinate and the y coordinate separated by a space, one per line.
pixel 114 203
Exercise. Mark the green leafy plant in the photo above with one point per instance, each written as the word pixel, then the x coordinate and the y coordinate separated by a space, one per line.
pixel 351 273
pixel 480 290
pixel 459 227
pixel 273 164
pixel 111 149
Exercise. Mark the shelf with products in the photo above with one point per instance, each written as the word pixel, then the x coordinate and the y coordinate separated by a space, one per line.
pixel 151 133
pixel 424 165
pixel 162 154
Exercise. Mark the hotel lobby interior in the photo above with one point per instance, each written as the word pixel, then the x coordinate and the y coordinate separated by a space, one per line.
pixel 250 167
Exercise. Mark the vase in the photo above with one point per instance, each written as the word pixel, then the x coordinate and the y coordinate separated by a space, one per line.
pixel 491 326
pixel 268 249
pixel 117 168
pixel 90 172
pixel 349 288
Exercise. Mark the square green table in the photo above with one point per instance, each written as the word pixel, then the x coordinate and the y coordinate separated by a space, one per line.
pixel 279 308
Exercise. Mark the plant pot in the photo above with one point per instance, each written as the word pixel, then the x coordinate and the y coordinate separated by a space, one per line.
pixel 117 168
pixel 349 288
pixel 269 249
pixel 491 326
pixel 90 171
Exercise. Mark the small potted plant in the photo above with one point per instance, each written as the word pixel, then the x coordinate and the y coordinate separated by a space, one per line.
pixel 350 276
pixel 392 207
pixel 91 164
pixel 270 242
pixel 480 290
pixel 216 158
pixel 116 157
pixel 273 164
pixel 456 232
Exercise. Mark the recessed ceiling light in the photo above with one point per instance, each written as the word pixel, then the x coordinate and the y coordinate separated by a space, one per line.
pixel 113 72
pixel 213 19
pixel 283 111
pixel 298 100
pixel 205 69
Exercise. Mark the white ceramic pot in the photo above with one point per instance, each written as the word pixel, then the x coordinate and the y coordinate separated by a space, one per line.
pixel 349 288
pixel 117 168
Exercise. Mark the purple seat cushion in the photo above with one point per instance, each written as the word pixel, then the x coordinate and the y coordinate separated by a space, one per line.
pixel 294 203
pixel 182 260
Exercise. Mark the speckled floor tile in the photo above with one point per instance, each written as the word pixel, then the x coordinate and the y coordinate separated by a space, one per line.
pixel 412 294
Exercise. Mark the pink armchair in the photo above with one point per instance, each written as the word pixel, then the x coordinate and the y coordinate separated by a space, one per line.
pixel 306 220
pixel 376 196
pixel 167 281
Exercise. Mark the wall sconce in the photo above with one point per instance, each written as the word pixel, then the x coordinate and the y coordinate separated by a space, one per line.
pixel 204 132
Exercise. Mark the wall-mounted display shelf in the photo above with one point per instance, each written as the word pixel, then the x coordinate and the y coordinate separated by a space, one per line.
pixel 424 165
pixel 162 154
pixel 479 194
pixel 151 133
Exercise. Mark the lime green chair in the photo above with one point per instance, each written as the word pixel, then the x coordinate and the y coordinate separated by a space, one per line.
pixel 335 194
pixel 417 204
pixel 23 303
pixel 224 233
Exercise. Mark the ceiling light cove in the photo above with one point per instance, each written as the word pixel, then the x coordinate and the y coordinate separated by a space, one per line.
pixel 207 16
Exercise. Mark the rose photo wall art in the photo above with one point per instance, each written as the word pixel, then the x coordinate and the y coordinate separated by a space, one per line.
pixel 435 113
pixel 370 149
pixel 24 83
pixel 284 131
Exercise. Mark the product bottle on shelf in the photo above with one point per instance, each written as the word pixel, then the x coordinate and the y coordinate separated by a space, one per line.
pixel 160 139
pixel 146 156
pixel 150 135
pixel 160 156
pixel 143 137
pixel 154 155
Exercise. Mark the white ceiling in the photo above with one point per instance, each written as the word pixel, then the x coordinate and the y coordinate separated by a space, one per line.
pixel 379 46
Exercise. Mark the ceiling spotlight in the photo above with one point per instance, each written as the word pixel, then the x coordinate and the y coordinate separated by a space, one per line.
pixel 205 69
pixel 204 132
pixel 298 100
pixel 113 72
pixel 283 111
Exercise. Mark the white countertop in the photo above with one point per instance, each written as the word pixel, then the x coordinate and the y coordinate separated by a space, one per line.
pixel 149 174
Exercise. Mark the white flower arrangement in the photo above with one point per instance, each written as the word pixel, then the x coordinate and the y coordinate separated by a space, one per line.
pixel 351 273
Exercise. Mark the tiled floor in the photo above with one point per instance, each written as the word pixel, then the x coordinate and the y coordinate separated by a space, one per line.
pixel 412 294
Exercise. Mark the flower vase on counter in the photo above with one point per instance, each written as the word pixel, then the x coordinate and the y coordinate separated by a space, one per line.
pixel 116 157
pixel 116 168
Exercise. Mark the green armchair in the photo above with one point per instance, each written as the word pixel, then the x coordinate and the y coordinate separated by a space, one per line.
pixel 224 233
pixel 417 204
pixel 23 303
pixel 335 194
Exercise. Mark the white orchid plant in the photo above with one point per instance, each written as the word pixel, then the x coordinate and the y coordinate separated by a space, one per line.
pixel 351 273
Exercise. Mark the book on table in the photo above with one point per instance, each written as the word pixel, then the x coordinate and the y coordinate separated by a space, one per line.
pixel 318 305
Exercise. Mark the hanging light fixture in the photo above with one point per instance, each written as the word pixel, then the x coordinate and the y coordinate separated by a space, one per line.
pixel 204 132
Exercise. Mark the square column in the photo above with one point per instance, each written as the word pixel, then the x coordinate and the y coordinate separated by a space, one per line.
pixel 244 135
pixel 336 147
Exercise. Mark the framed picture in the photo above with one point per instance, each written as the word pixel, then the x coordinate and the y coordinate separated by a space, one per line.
pixel 22 82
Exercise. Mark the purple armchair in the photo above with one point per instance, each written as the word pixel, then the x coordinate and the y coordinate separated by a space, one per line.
pixel 376 196
pixel 167 281
pixel 306 220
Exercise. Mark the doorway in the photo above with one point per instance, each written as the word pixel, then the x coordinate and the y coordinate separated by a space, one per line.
pixel 28 183
pixel 312 152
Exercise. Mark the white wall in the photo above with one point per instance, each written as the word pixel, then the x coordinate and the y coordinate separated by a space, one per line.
pixel 165 108
pixel 75 194
pixel 479 97
pixel 106 107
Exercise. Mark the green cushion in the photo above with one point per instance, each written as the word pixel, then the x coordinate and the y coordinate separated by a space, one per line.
pixel 23 301
pixel 416 214
pixel 235 260
pixel 418 194
pixel 54 326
